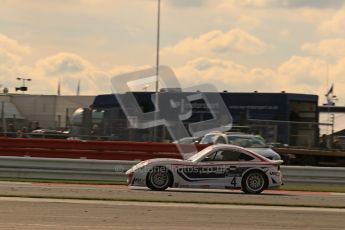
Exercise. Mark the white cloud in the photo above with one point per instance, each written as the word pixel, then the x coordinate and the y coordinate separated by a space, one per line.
pixel 300 73
pixel 335 24
pixel 312 3
pixel 147 86
pixel 337 73
pixel 71 68
pixel 126 69
pixel 216 41
pixel 329 48
pixel 11 67
pixel 12 46
pixel 256 3
pixel 68 68
pixel 246 21
pixel 188 3
pixel 225 75
pixel 63 63
pixel 314 15
pixel 284 33
pixel 296 75
pixel 288 3
pixel 8 60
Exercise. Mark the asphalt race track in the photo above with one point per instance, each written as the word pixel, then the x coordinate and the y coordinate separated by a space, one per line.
pixel 72 206
pixel 123 193
pixel 31 213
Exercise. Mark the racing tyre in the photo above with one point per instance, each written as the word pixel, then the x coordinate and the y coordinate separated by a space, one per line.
pixel 254 182
pixel 159 178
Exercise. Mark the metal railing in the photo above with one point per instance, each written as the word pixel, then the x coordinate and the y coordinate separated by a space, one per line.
pixel 306 174
pixel 64 169
pixel 114 170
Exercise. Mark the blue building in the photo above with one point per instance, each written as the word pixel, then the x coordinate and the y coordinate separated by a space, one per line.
pixel 285 118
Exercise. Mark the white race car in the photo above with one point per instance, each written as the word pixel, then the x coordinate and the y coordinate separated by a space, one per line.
pixel 217 166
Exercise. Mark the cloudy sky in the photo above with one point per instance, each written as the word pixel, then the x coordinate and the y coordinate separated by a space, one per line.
pixel 248 45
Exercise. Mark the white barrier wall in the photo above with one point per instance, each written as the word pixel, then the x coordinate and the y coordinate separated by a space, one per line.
pixel 109 170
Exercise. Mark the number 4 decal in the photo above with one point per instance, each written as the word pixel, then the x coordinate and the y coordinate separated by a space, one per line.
pixel 233 182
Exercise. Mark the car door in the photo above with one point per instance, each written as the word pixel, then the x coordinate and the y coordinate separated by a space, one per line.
pixel 232 162
pixel 201 175
pixel 206 173
pixel 210 172
pixel 226 164
pixel 219 169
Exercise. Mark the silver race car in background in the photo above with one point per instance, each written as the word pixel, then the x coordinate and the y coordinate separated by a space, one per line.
pixel 249 141
pixel 217 166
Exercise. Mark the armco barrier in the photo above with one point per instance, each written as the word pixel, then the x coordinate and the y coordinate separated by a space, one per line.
pixel 64 169
pixel 310 152
pixel 109 170
pixel 303 174
pixel 106 150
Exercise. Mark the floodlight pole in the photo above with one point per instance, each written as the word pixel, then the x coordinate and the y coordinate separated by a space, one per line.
pixel 24 80
pixel 155 129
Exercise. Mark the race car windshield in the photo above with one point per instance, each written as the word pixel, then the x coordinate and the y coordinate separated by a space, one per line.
pixel 208 139
pixel 198 155
pixel 246 142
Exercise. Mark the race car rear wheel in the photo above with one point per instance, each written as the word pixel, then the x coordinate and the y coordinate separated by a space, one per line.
pixel 254 182
pixel 159 178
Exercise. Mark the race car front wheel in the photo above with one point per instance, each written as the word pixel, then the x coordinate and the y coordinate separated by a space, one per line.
pixel 159 178
pixel 254 182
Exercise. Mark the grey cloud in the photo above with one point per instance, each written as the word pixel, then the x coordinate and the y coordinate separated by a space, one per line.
pixel 313 3
pixel 204 65
pixel 63 63
pixel 267 3
pixel 308 80
pixel 187 3
pixel 69 66
pixel 291 3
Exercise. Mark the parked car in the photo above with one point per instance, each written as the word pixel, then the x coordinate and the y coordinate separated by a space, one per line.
pixel 249 141
pixel 217 166
pixel 188 140
pixel 49 133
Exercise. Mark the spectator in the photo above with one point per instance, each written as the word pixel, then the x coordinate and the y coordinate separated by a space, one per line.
pixel 30 126
pixel 37 125
pixel 23 133
pixel 11 132
pixel 323 143
pixel 95 132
